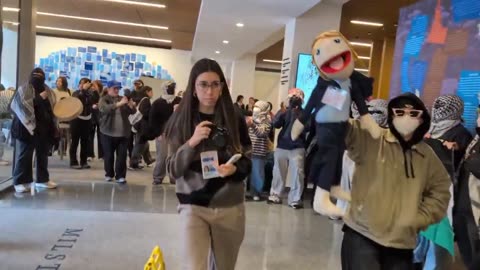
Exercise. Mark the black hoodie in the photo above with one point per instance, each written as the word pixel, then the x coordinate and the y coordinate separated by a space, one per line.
pixel 418 135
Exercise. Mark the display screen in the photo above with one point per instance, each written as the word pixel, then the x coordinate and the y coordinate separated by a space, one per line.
pixel 307 75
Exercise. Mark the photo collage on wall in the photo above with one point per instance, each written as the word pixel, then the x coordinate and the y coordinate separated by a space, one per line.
pixel 90 62
pixel 437 52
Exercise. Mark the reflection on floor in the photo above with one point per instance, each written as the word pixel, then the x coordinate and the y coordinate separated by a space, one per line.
pixel 90 224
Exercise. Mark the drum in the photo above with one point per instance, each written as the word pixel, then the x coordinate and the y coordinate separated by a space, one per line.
pixel 68 109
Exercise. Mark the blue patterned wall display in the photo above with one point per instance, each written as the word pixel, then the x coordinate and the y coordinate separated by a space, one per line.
pixel 98 64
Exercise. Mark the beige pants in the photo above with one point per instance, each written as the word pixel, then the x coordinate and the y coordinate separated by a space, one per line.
pixel 211 237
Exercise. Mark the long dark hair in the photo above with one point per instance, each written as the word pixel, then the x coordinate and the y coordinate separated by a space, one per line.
pixel 64 83
pixel 180 126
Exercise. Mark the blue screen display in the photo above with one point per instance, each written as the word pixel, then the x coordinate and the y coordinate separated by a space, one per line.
pixel 307 75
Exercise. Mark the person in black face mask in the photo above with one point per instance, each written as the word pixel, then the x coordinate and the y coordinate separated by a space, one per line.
pixel 33 126
pixel 82 126
pixel 161 110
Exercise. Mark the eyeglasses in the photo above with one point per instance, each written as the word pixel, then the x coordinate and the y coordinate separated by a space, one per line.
pixel 411 112
pixel 203 85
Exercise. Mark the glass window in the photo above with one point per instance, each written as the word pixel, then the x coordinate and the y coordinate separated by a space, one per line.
pixel 8 75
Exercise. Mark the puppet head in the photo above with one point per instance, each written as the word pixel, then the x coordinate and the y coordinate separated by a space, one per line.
pixel 333 55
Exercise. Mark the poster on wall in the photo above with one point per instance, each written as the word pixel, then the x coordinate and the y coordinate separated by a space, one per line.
pixel 437 52
pixel 76 63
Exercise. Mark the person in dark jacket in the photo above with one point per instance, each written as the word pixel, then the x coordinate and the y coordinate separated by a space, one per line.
pixel 449 139
pixel 95 90
pixel 141 146
pixel 467 204
pixel 80 127
pixel 115 128
pixel 161 111
pixel 33 129
pixel 289 155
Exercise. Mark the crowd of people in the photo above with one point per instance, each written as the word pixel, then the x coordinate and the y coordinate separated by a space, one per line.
pixel 412 181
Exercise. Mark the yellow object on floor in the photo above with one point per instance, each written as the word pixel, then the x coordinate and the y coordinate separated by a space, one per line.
pixel 155 262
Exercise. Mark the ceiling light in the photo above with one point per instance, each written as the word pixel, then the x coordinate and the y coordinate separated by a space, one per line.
pixel 101 20
pixel 240 25
pixel 10 9
pixel 361 69
pixel 367 23
pixel 361 44
pixel 137 3
pixel 364 57
pixel 217 52
pixel 272 61
pixel 14 23
pixel 103 34
pixel 226 42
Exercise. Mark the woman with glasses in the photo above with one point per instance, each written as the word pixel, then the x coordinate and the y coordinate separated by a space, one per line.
pixel 205 131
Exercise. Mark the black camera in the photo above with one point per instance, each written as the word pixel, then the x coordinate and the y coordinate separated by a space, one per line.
pixel 295 102
pixel 218 136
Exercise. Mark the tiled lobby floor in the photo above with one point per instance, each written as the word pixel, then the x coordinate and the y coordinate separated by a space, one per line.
pixel 121 224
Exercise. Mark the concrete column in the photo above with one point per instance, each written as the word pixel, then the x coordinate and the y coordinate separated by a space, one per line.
pixel 386 68
pixel 26 40
pixel 242 79
pixel 376 65
pixel 299 35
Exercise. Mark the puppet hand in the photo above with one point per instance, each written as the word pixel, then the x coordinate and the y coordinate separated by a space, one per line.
pixel 368 123
pixel 297 130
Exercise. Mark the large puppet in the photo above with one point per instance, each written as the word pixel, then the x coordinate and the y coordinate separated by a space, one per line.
pixel 337 86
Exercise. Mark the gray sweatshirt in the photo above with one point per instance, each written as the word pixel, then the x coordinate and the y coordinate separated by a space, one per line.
pixel 114 121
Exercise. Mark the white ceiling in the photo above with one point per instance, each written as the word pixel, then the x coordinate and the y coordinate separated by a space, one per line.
pixel 263 20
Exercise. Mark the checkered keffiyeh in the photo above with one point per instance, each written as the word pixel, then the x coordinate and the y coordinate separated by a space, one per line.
pixel 447 107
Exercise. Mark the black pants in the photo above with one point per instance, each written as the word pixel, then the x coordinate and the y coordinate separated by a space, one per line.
pixel 361 253
pixel 131 140
pixel 140 149
pixel 23 172
pixel 112 146
pixel 80 130
pixel 331 147
pixel 91 143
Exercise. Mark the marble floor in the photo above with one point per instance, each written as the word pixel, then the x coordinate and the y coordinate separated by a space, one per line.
pixel 89 224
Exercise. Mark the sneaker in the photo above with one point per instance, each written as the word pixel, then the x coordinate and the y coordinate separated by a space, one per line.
pixel 256 198
pixel 274 199
pixel 47 185
pixel 296 205
pixel 22 188
pixel 86 166
pixel 157 182
pixel 121 181
pixel 75 166
pixel 135 167
pixel 90 159
pixel 108 179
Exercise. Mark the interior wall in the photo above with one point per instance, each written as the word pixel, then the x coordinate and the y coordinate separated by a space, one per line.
pixel 386 68
pixel 177 62
pixel 376 64
pixel 267 86
pixel 9 57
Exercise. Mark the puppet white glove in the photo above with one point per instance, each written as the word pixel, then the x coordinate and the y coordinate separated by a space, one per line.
pixel 297 130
